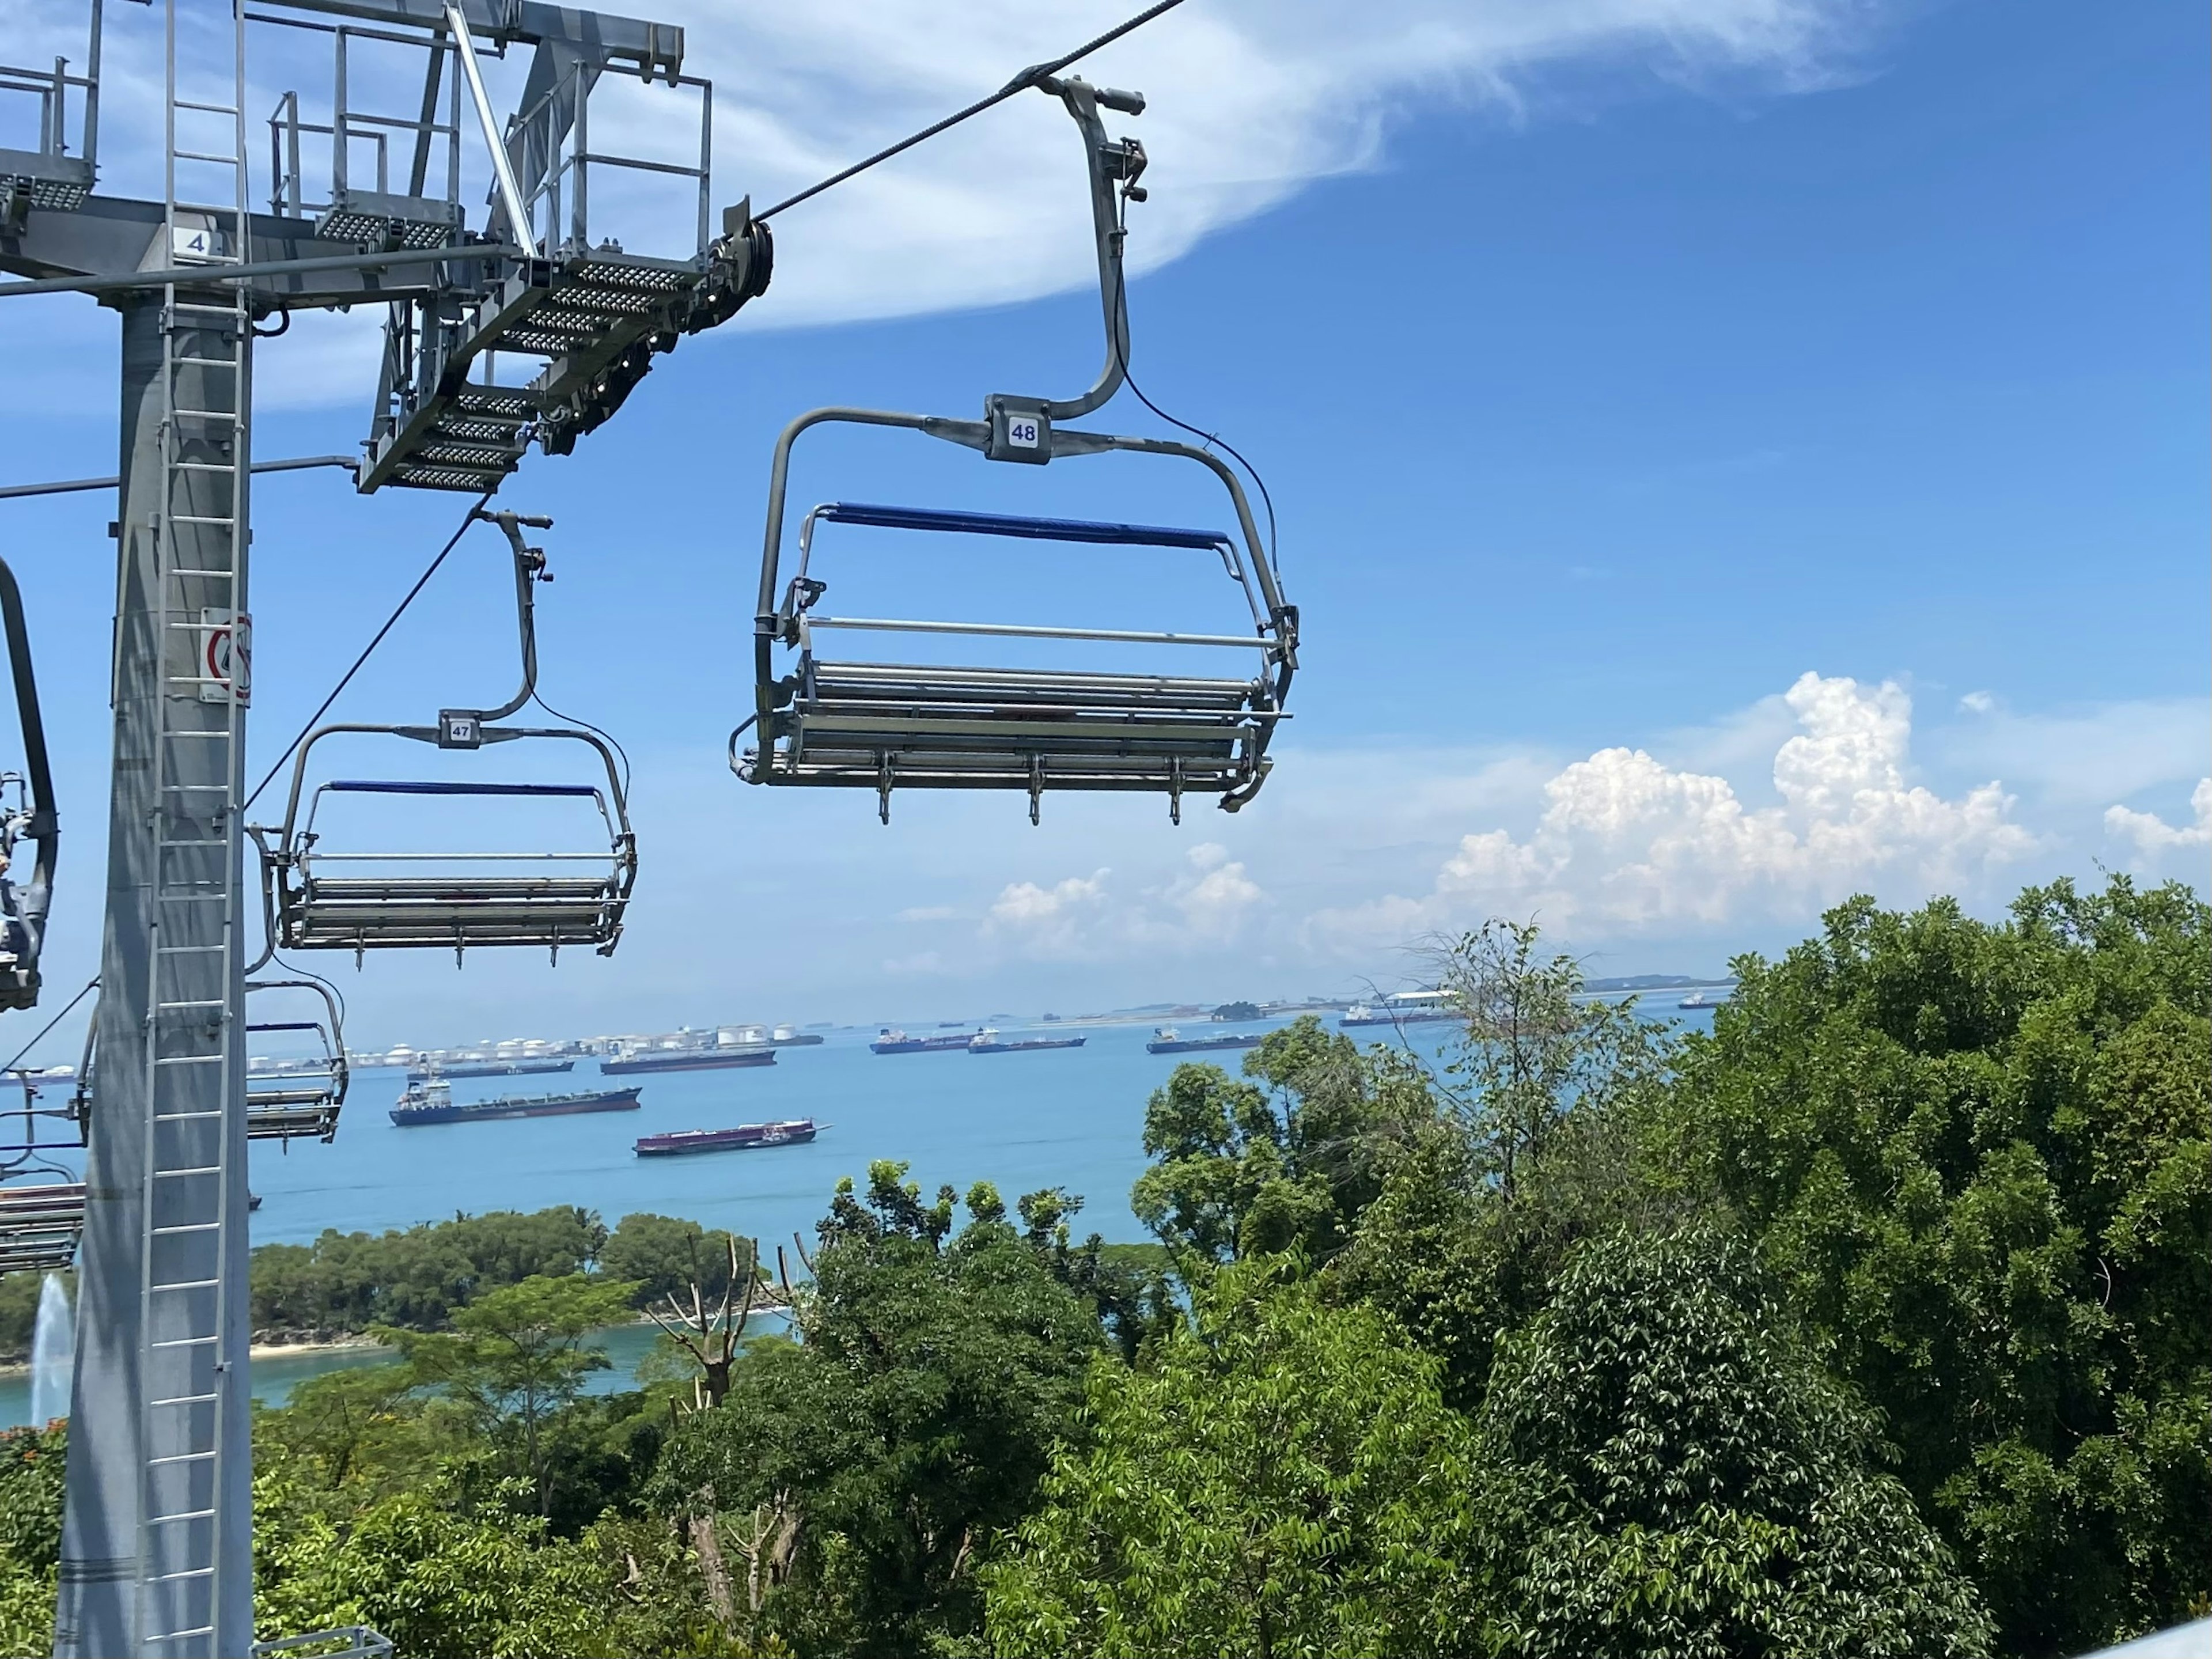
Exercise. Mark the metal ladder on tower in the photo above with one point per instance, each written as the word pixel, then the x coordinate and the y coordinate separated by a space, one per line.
pixel 188 1266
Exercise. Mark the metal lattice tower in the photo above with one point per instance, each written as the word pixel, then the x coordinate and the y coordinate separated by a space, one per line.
pixel 163 1340
pixel 193 1182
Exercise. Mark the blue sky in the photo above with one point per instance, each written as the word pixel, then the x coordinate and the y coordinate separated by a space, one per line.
pixel 1730 453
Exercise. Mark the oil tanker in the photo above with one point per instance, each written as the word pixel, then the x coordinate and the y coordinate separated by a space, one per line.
pixel 432 1102
pixel 685 1059
pixel 1166 1040
pixel 745 1138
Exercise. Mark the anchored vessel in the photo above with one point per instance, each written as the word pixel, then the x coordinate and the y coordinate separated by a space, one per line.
pixel 489 1068
pixel 896 1041
pixel 790 1036
pixel 678 1143
pixel 432 1102
pixel 1403 1008
pixel 685 1060
pixel 987 1042
pixel 1166 1040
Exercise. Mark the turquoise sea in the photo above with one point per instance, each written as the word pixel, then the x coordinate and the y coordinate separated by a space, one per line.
pixel 1066 1117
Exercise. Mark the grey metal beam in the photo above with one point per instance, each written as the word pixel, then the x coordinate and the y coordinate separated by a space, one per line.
pixel 652 49
pixel 197 275
pixel 70 486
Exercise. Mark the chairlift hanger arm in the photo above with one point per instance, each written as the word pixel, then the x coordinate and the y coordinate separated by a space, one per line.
pixel 1114 168
pixel 44 827
pixel 529 568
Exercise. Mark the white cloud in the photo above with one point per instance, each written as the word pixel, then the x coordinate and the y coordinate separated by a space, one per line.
pixel 2153 835
pixel 1977 703
pixel 1058 921
pixel 1626 844
pixel 1251 101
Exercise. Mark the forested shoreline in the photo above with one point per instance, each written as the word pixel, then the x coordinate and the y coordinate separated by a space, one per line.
pixel 1872 1323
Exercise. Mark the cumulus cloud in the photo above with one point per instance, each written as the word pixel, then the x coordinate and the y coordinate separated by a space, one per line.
pixel 1057 921
pixel 1626 844
pixel 2151 835
pixel 1205 903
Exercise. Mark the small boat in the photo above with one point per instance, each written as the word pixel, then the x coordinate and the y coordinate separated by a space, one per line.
pixel 987 1042
pixel 1698 1000
pixel 745 1138
pixel 685 1059
pixel 489 1068
pixel 1166 1040
pixel 252 1201
pixel 432 1102
pixel 892 1041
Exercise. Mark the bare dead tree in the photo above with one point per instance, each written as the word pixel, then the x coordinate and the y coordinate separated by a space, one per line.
pixel 711 1335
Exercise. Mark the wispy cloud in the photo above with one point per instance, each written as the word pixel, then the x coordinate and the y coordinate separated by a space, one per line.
pixel 1251 102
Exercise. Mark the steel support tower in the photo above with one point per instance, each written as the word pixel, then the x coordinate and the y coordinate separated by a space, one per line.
pixel 156 1555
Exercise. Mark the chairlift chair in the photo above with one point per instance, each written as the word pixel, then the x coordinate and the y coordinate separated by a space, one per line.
pixel 42 1217
pixel 320 899
pixel 880 725
pixel 39 1226
pixel 26 813
pixel 299 1103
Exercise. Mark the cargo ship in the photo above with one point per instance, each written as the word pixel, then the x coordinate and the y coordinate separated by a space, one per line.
pixel 790 1036
pixel 896 1041
pixel 487 1068
pixel 987 1042
pixel 683 1060
pixel 1406 1008
pixel 432 1102
pixel 746 1137
pixel 1166 1040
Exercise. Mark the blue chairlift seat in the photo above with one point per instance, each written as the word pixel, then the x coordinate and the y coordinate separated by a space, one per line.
pixel 880 725
pixel 460 900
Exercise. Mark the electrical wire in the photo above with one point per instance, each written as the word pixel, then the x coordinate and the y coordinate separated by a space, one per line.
pixel 613 742
pixel 1021 83
pixel 390 621
pixel 90 986
pixel 1210 439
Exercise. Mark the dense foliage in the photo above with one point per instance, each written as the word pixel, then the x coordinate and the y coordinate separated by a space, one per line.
pixel 1976 1159
pixel 1873 1323
pixel 416 1278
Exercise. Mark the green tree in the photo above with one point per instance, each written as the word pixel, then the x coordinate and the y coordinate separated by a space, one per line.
pixel 1976 1157
pixel 32 1461
pixel 861 1473
pixel 516 1356
pixel 665 1256
pixel 446 1570
pixel 1683 1481
pixel 1283 1162
pixel 1550 1102
pixel 1285 1479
